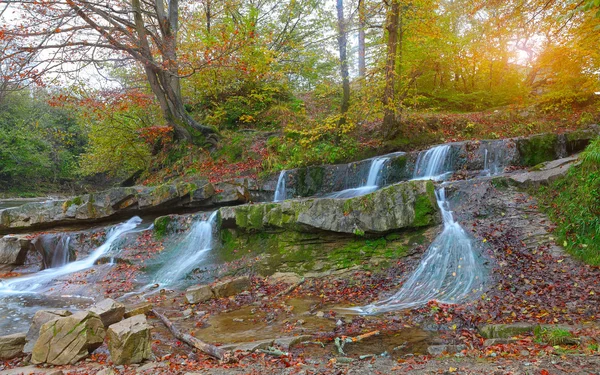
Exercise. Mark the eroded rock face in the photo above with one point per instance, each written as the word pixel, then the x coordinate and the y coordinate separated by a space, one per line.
pixel 129 340
pixel 123 201
pixel 68 340
pixel 11 346
pixel 13 252
pixel 109 310
pixel 409 204
pixel 39 319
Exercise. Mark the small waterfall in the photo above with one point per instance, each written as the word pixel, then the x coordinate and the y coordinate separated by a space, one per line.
pixel 494 158
pixel 372 183
pixel 433 164
pixel 189 253
pixel 451 270
pixel 280 190
pixel 33 282
pixel 54 249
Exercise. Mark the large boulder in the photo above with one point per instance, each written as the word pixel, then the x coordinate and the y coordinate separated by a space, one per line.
pixel 129 340
pixel 409 204
pixel 13 252
pixel 109 310
pixel 40 318
pixel 68 340
pixel 11 346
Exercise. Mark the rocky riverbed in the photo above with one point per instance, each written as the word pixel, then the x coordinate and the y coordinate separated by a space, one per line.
pixel 278 288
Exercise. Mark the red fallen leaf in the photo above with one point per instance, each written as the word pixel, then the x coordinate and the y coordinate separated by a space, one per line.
pixel 544 372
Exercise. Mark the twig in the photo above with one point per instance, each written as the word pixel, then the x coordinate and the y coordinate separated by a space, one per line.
pixel 291 288
pixel 340 342
pixel 209 349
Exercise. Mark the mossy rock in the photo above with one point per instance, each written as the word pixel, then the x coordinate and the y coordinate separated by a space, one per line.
pixel 538 149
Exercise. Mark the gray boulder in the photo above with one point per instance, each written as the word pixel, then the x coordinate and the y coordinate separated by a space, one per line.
pixel 109 310
pixel 13 252
pixel 198 293
pixel 68 340
pixel 11 346
pixel 231 287
pixel 129 340
pixel 39 319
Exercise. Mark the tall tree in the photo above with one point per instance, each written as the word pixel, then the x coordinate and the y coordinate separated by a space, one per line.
pixel 74 34
pixel 362 24
pixel 342 45
pixel 391 27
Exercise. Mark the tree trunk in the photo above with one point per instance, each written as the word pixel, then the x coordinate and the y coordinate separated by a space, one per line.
pixel 362 20
pixel 392 21
pixel 342 43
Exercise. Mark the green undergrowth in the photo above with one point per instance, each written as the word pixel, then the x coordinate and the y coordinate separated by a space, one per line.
pixel 573 204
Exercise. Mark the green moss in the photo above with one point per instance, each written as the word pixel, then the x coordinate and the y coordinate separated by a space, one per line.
pixel 425 207
pixel 500 183
pixel 537 149
pixel 309 181
pixel 160 226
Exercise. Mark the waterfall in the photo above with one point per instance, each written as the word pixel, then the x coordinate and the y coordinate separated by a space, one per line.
pixel 432 164
pixel 54 249
pixel 451 270
pixel 188 253
pixel 372 183
pixel 280 190
pixel 33 283
pixel 494 158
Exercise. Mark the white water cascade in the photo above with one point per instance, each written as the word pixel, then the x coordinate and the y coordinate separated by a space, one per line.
pixel 280 190
pixel 433 164
pixel 493 158
pixel 451 270
pixel 372 183
pixel 34 283
pixel 189 253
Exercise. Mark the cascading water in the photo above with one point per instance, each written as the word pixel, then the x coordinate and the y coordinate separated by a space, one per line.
pixel 451 270
pixel 371 184
pixel 280 190
pixel 433 164
pixel 188 253
pixel 493 159
pixel 34 282
pixel 54 249
pixel 21 297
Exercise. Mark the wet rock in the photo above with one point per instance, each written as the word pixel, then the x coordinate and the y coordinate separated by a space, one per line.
pixel 106 371
pixel 11 346
pixel 285 278
pixel 129 340
pixel 198 294
pixel 54 249
pixel 139 309
pixel 68 340
pixel 40 318
pixel 231 287
pixel 408 204
pixel 110 311
pixel 289 342
pixel 150 366
pixel 503 331
pixel 436 350
pixel 13 252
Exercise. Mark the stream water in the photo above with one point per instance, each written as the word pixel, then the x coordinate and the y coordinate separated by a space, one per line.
pixel 21 297
pixel 371 184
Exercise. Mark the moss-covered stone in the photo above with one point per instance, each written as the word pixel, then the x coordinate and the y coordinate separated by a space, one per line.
pixel 537 149
pixel 161 225
pixel 309 181
pixel 291 251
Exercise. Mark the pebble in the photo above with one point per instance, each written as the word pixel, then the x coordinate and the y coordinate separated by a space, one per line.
pixel 524 353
